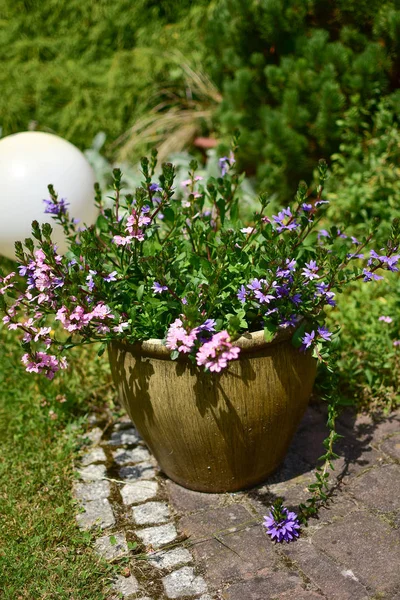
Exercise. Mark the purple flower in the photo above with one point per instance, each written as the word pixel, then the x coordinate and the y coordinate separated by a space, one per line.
pixel 290 267
pixel 56 207
pixel 323 233
pixel 290 322
pixel 225 162
pixel 354 240
pixel 158 288
pixel 242 294
pixel 282 525
pixel 296 299
pixel 306 207
pixel 279 219
pixel 310 270
pixel 263 298
pixel 369 276
pixel 208 325
pixel 255 284
pixel 154 187
pixel 111 277
pixel 307 340
pixel 396 343
pixel 319 202
pixel 325 334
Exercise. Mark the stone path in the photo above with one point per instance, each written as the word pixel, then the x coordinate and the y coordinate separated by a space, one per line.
pixel 174 543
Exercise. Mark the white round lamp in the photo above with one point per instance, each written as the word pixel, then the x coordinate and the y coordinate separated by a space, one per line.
pixel 29 161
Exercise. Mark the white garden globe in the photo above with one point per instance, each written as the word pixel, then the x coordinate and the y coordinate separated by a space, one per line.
pixel 29 161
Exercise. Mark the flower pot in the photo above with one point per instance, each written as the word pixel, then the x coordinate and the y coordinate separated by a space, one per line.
pixel 216 432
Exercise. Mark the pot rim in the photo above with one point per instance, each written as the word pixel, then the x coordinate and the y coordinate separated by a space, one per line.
pixel 247 342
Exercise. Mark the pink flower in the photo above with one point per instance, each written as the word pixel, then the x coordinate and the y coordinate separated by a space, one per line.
pixel 179 339
pixel 101 311
pixel 216 353
pixel 122 241
pixel 386 319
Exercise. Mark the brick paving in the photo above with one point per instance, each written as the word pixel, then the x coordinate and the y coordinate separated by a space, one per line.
pixel 190 545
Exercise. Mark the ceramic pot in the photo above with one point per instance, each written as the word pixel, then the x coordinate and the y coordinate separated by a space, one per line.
pixel 216 432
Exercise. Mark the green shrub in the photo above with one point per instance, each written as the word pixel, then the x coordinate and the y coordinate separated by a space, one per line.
pixel 290 69
pixel 365 182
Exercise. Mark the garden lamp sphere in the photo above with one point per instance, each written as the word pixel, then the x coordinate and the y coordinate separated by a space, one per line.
pixel 29 162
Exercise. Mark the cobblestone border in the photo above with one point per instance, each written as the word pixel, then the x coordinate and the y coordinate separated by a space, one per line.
pixel 122 497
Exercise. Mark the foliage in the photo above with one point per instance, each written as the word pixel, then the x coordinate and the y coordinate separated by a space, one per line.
pixel 189 269
pixel 365 185
pixel 284 71
pixel 42 552
pixel 369 351
pixel 79 67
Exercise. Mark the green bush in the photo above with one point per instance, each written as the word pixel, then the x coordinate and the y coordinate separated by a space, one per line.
pixel 365 182
pixel 79 67
pixel 290 69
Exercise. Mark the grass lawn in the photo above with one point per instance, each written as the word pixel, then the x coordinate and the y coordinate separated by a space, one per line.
pixel 43 555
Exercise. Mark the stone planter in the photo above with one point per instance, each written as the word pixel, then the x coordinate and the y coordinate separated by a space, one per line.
pixel 216 432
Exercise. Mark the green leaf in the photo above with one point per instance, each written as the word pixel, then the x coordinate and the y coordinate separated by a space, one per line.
pixel 60 510
pixel 113 540
pixel 174 354
pixel 102 349
pixel 298 336
pixel 269 332
pixel 139 292
pixel 132 545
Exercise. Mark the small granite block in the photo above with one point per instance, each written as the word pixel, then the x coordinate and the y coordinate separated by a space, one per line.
pixel 124 456
pixel 97 512
pixel 157 536
pixel 92 472
pixel 125 437
pixel 183 582
pixel 151 513
pixel 109 551
pixel 94 490
pixel 143 470
pixel 126 585
pixel 94 435
pixel 166 559
pixel 138 491
pixel 93 456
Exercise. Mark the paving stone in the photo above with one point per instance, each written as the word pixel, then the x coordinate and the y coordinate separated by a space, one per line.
pixel 366 426
pixel 126 585
pixel 184 500
pixel 335 582
pixel 157 536
pixel 97 512
pixel 94 435
pixel 92 472
pixel 151 513
pixel 138 491
pixel 94 490
pixel 124 437
pixel 166 559
pixel 124 456
pixel 379 488
pixel 364 544
pixel 93 456
pixel 265 587
pixel 143 470
pixel 229 543
pixel 110 551
pixel 205 597
pixel 391 446
pixel 183 582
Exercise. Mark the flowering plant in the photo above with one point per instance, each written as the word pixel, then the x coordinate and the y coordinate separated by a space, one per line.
pixel 187 268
